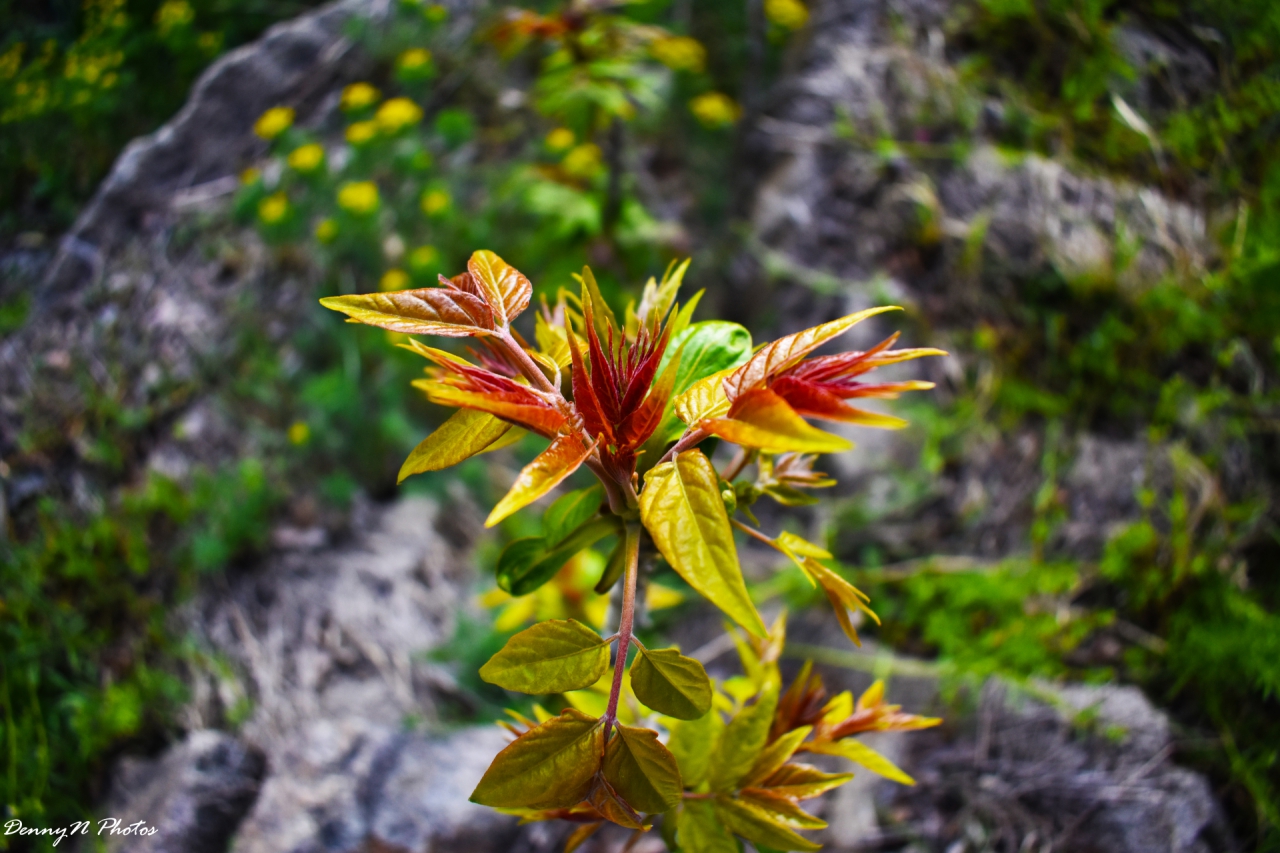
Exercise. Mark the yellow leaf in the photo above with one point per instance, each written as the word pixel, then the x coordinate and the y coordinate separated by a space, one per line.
pixel 551 657
pixel 699 830
pixel 659 597
pixel 781 809
pixel 506 289
pixel 580 835
pixel 775 755
pixel 466 433
pixel 682 509
pixel 561 458
pixel 704 399
pixel 801 781
pixel 860 753
pixel 759 826
pixel 741 742
pixel 762 419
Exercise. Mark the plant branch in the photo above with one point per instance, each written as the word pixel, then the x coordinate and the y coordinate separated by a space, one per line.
pixel 527 365
pixel 689 439
pixel 625 622
pixel 736 465
pixel 751 531
pixel 617 500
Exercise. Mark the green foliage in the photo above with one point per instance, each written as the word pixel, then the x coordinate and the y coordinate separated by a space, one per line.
pixel 78 81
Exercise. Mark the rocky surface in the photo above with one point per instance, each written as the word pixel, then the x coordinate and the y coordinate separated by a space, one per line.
pixel 320 652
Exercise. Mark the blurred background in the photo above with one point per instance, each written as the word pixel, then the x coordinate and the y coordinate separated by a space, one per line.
pixel 220 614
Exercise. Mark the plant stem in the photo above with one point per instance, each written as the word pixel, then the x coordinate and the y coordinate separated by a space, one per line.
pixel 736 465
pixel 625 622
pixel 689 439
pixel 527 365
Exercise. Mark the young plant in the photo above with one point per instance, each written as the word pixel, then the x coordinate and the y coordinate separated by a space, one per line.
pixel 632 399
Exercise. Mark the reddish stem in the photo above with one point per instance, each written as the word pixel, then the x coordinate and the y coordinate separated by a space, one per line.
pixel 625 622
pixel 527 365
pixel 689 439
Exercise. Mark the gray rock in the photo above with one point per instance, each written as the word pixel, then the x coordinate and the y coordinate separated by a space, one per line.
pixel 194 795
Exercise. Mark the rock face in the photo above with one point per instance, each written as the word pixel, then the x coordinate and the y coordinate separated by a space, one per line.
pixel 1080 768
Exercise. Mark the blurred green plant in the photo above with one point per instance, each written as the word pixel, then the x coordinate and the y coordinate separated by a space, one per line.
pixel 79 80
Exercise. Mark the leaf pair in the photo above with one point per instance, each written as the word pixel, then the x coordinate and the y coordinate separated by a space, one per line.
pixel 565 760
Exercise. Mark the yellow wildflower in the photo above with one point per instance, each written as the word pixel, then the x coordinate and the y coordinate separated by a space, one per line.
pixel 715 109
pixel 209 43
pixel 173 14
pixel 414 59
pixel 273 208
pixel 306 158
pixel 560 139
pixel 435 201
pixel 397 114
pixel 250 176
pixel 362 132
pixel 680 53
pixel 358 197
pixel 393 279
pixel 791 14
pixel 326 231
pixel 273 122
pixel 357 96
pixel 424 258
pixel 436 13
pixel 583 161
pixel 299 433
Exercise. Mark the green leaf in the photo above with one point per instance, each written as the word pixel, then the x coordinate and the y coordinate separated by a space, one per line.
pixel 860 753
pixel 759 826
pixel 642 770
pixel 699 831
pixel 692 742
pixel 549 766
pixel 527 564
pixel 671 684
pixel 550 657
pixel 569 512
pixel 741 743
pixel 709 347
pixel 466 433
pixel 683 511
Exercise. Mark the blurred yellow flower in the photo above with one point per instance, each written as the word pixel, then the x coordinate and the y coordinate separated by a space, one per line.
pixel 424 257
pixel 397 114
pixel 173 14
pixel 583 161
pixel 791 14
pixel 435 201
pixel 273 122
pixel 560 139
pixel 715 109
pixel 680 53
pixel 659 597
pixel 299 433
pixel 273 208
pixel 307 158
pixel 326 231
pixel 357 96
pixel 414 59
pixel 393 279
pixel 436 13
pixel 358 197
pixel 361 132
pixel 209 42
pixel 250 176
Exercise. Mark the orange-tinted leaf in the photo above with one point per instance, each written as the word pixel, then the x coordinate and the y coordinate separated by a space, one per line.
pixel 544 473
pixel 425 311
pixel 814 401
pixel 802 781
pixel 517 404
pixel 775 755
pixel 786 352
pixel 761 419
pixel 505 288
pixel 781 808
pixel 844 596
pixel 549 766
